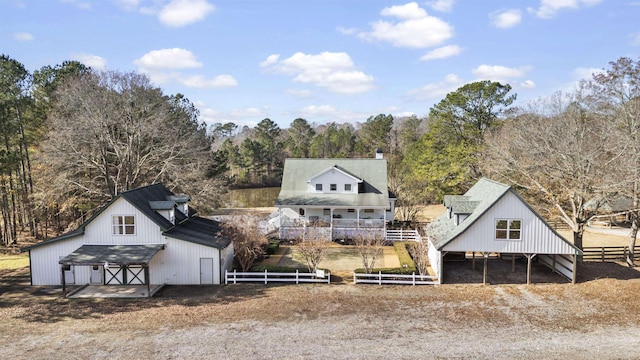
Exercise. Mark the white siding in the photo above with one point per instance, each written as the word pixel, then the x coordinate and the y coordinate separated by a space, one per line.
pixel 435 260
pixel 179 263
pixel 536 236
pixel 333 177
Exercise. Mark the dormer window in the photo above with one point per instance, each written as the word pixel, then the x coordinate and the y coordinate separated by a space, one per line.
pixel 318 187
pixel 347 187
pixel 333 187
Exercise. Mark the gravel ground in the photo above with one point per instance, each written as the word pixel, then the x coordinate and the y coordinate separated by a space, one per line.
pixel 597 318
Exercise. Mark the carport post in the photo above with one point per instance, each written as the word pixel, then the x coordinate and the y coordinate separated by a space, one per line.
pixel 473 260
pixel 64 282
pixel 484 271
pixel 529 256
pixel 147 280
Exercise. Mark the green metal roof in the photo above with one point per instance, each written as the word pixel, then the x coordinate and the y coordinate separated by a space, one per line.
pixel 295 189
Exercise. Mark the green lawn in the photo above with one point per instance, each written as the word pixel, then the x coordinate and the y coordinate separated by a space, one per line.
pixel 12 262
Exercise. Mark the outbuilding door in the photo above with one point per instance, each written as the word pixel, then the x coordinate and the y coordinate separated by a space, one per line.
pixel 206 271
pixel 96 275
pixel 69 273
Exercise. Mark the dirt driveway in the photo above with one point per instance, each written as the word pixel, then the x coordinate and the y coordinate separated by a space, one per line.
pixel 599 318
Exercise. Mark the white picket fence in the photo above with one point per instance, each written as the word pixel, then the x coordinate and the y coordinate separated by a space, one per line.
pixel 267 277
pixel 403 235
pixel 382 279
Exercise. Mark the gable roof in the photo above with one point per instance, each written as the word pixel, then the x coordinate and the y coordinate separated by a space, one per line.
pixel 147 200
pixel 340 169
pixel 479 198
pixel 372 172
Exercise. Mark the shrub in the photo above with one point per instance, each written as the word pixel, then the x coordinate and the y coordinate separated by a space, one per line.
pixel 272 247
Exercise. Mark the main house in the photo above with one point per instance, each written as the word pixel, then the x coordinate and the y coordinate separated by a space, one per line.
pixel 146 236
pixel 334 198
pixel 491 218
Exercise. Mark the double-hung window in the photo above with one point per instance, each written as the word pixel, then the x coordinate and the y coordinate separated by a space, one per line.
pixel 124 225
pixel 508 229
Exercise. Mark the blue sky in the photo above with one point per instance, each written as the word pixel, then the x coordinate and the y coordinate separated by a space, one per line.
pixel 330 60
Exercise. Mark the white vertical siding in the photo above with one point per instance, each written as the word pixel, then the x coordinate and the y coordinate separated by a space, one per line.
pixel 536 236
pixel 435 260
pixel 179 263
pixel 333 177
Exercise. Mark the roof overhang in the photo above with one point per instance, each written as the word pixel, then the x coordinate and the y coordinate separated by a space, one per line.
pixel 89 255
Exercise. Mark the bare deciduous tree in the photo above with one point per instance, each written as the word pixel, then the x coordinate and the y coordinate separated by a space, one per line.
pixel 559 151
pixel 370 249
pixel 420 254
pixel 618 92
pixel 313 251
pixel 248 238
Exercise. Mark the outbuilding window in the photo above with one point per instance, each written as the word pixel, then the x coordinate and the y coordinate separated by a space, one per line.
pixel 124 225
pixel 333 187
pixel 347 187
pixel 318 187
pixel 508 229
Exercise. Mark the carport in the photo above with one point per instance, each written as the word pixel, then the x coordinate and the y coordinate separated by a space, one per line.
pixel 120 265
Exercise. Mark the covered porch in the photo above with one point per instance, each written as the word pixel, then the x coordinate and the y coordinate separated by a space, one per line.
pixel 121 266
pixel 332 222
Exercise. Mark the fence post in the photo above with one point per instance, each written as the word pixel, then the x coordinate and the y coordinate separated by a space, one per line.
pixel 414 278
pixel 234 277
pixel 265 277
pixel 329 278
pixel 296 276
pixel 379 277
pixel 354 278
pixel 226 280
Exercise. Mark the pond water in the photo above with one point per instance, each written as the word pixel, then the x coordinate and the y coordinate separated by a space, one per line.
pixel 249 198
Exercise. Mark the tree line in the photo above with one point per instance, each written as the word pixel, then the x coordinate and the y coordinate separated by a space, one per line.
pixel 73 137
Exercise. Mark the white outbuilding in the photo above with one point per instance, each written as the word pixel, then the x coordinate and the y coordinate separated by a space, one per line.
pixel 492 219
pixel 146 236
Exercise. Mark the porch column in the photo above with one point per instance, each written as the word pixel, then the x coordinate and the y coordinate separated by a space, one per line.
pixel 574 269
pixel 331 224
pixel 384 224
pixel 358 218
pixel 529 256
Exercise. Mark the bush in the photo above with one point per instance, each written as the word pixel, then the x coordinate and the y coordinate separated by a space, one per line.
pixel 272 247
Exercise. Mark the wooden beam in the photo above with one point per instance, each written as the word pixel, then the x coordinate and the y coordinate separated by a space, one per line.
pixel 473 260
pixel 529 256
pixel 147 280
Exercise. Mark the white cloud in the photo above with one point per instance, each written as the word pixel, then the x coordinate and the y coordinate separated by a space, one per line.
pixel 506 19
pixel 499 73
pixel 442 52
pixel 347 31
pixel 441 5
pixel 174 58
pixel 83 5
pixel 527 84
pixel 583 73
pixel 93 61
pixel 184 12
pixel 128 5
pixel 162 67
pixel 414 28
pixel 23 36
pixel 299 93
pixel 437 90
pixel 549 8
pixel 333 71
pixel 199 81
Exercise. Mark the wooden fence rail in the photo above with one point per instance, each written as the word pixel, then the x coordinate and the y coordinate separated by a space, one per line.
pixel 267 277
pixel 403 235
pixel 381 279
pixel 607 253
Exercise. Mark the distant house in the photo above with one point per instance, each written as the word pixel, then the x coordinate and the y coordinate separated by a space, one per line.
pixel 491 218
pixel 143 236
pixel 334 198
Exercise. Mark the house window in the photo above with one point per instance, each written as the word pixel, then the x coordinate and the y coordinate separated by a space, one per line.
pixel 333 187
pixel 124 225
pixel 318 187
pixel 326 211
pixel 301 212
pixel 351 210
pixel 347 187
pixel 508 229
pixel 368 210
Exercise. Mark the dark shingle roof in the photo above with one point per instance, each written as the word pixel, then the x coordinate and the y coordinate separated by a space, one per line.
pixel 149 198
pixel 112 254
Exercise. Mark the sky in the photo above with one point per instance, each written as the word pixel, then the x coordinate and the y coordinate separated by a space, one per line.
pixel 243 61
